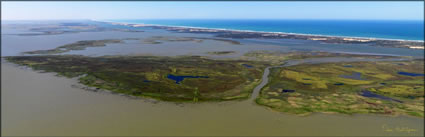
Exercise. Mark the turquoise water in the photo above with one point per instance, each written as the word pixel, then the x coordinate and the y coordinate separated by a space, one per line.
pixel 385 29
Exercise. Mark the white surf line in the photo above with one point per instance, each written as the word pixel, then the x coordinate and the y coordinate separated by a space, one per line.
pixel 283 33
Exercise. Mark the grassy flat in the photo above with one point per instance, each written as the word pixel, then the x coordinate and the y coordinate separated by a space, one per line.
pixel 190 78
pixel 356 87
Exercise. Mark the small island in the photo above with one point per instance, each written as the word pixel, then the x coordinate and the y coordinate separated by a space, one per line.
pixel 316 82
pixel 79 45
pixel 181 79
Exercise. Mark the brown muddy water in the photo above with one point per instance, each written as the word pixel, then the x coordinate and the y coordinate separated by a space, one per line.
pixel 41 104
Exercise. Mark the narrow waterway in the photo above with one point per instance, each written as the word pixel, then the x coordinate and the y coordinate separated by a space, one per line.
pixel 265 77
pixel 264 81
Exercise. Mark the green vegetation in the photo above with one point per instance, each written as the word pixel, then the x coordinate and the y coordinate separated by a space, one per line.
pixel 277 57
pixel 307 88
pixel 348 88
pixel 147 76
pixel 80 45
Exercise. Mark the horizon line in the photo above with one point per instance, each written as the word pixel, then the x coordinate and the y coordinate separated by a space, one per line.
pixel 210 19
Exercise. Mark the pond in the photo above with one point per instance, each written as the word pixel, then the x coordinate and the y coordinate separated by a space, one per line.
pixel 410 74
pixel 288 91
pixel 178 79
pixel 370 94
pixel 248 66
pixel 354 75
pixel 339 84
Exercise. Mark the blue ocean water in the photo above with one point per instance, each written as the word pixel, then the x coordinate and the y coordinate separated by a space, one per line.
pixel 385 29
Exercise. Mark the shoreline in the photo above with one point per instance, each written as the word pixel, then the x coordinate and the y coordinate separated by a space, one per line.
pixel 252 98
pixel 253 31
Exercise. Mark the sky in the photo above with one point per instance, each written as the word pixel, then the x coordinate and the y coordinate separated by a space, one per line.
pixel 385 10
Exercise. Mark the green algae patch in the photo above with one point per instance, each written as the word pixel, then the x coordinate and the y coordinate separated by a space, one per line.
pixel 149 76
pixel 377 88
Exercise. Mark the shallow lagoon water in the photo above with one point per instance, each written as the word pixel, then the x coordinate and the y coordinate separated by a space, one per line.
pixel 14 44
pixel 181 48
pixel 42 104
pixel 307 45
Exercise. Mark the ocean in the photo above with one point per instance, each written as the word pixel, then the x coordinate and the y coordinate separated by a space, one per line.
pixel 382 29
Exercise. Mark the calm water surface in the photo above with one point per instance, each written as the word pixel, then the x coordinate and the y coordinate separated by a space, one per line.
pixel 14 45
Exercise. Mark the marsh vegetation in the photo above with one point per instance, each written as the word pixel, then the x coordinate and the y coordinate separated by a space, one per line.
pixel 355 87
pixel 186 78
pixel 79 45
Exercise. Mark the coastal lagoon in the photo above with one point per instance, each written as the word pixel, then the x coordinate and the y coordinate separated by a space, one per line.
pixel 43 104
pixel 13 45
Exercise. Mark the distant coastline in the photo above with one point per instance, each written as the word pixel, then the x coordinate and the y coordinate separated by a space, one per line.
pixel 231 33
pixel 240 30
